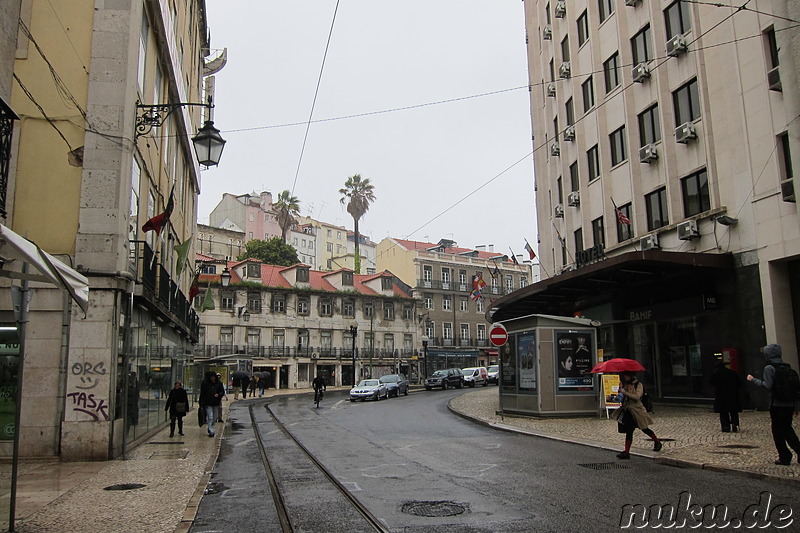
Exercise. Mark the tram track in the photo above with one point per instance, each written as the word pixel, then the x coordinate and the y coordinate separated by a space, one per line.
pixel 307 496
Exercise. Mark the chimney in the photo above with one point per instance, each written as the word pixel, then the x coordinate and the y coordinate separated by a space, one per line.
pixel 491 247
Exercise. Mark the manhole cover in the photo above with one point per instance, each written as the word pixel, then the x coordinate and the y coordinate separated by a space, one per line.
pixel 738 446
pixel 440 508
pixel 125 486
pixel 603 466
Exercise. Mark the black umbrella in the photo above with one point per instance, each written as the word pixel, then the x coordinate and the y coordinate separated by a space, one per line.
pixel 240 376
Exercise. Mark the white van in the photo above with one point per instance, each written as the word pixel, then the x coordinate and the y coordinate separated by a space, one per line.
pixel 475 376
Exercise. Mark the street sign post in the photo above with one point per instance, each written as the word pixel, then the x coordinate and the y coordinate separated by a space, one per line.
pixel 498 335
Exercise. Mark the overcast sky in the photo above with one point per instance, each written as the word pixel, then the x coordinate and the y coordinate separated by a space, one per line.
pixel 382 56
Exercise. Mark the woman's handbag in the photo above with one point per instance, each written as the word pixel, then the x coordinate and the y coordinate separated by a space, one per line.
pixel 180 408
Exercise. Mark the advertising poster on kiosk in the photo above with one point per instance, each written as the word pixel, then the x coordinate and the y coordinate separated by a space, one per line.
pixel 574 360
pixel 508 371
pixel 526 341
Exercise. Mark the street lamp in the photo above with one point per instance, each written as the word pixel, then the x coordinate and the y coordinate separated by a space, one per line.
pixel 208 145
pixel 354 333
pixel 225 277
pixel 425 340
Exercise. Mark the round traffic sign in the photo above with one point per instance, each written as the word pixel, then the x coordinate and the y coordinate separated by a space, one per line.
pixel 498 335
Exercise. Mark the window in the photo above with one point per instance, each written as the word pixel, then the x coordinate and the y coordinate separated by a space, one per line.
pixel 618 152
pixel 696 198
pixel 523 282
pixel 772 48
pixel 408 312
pixel 208 269
pixel 325 306
pixel 446 302
pixel 479 305
pixel 509 282
pixel 133 216
pixel 583 28
pixel 369 341
pixel 428 298
pixel 278 338
pixel 329 233
pixel 481 332
pixel 302 274
pixel 386 284
pixel 649 126
pixel 348 307
pixel 464 304
pixel 606 8
pixel 253 270
pixel 547 13
pixel 408 343
pixel 226 301
pixel 464 332
pixel 329 246
pixel 339 235
pixel 611 72
pixel 326 341
pixel 427 273
pixel 388 342
pixel 388 310
pixel 593 157
pixel 687 103
pixel 302 339
pixel 254 302
pixel 302 305
pixel 462 277
pixel 574 177
pixel 570 112
pixel 578 238
pixel 552 71
pixel 347 278
pixel 278 303
pixel 555 129
pixel 445 276
pixel 143 40
pixel 786 172
pixel 656 203
pixel 678 19
pixel 226 336
pixel 430 329
pixel 253 337
pixel 565 49
pixel 447 330
pixel 587 89
pixel 642 46
pixel 560 191
pixel 624 218
pixel 598 232
pixel 369 310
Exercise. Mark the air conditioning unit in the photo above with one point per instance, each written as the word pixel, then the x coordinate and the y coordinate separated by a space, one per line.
pixel 649 243
pixel 685 133
pixel 569 133
pixel 547 32
pixel 551 90
pixel 563 70
pixel 648 153
pixel 555 150
pixel 688 230
pixel 559 211
pixel 574 199
pixel 677 46
pixel 774 80
pixel 631 3
pixel 561 9
pixel 641 72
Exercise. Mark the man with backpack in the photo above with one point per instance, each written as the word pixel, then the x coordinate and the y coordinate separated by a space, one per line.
pixel 784 400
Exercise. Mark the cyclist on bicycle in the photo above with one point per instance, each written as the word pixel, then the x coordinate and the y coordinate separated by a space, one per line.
pixel 318 384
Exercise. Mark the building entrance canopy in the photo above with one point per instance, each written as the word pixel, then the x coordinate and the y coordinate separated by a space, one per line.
pixel 597 283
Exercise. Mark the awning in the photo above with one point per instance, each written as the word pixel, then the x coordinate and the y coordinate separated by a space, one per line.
pixel 51 270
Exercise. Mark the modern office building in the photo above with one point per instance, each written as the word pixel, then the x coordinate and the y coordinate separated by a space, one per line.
pixel 663 134
pixel 443 277
pixel 91 162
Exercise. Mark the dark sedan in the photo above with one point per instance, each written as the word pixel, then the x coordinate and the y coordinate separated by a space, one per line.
pixel 397 384
pixel 450 377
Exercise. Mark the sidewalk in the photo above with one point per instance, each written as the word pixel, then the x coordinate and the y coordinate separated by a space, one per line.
pixel 55 496
pixel 696 439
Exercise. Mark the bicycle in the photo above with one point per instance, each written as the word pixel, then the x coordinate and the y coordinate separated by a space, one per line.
pixel 317 397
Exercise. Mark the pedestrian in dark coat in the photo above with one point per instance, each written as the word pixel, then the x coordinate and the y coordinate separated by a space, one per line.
pixel 211 394
pixel 726 384
pixel 178 406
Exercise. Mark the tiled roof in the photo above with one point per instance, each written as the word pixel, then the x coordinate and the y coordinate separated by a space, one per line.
pixel 425 246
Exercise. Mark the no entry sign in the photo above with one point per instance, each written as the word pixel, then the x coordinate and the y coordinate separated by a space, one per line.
pixel 498 335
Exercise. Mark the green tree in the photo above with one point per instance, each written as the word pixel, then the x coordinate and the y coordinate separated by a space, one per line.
pixel 286 208
pixel 273 252
pixel 357 193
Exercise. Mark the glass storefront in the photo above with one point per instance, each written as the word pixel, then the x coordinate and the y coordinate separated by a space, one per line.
pixel 9 367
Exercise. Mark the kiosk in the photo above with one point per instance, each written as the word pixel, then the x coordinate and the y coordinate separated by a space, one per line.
pixel 545 367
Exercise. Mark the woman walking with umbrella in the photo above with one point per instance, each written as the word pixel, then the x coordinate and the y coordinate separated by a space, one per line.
pixel 632 414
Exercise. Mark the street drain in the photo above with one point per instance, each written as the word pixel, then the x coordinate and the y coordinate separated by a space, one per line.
pixel 435 509
pixel 603 466
pixel 738 446
pixel 125 486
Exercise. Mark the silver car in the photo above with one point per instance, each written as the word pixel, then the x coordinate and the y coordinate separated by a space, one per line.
pixel 369 388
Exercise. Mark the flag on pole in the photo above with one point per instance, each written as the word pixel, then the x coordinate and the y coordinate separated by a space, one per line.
pixel 194 289
pixel 513 257
pixel 208 301
pixel 183 253
pixel 495 272
pixel 477 286
pixel 621 217
pixel 158 222
pixel 529 248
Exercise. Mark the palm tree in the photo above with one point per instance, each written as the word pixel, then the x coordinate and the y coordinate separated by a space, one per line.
pixel 286 208
pixel 357 194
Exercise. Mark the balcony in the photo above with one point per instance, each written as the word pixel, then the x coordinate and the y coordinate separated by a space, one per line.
pixel 310 352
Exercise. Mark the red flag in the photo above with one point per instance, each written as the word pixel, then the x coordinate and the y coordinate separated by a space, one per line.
pixel 158 222
pixel 531 253
pixel 194 290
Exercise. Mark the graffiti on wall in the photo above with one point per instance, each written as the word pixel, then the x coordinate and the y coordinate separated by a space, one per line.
pixel 85 377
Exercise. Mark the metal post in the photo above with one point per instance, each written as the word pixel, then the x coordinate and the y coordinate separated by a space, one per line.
pixel 22 320
pixel 354 332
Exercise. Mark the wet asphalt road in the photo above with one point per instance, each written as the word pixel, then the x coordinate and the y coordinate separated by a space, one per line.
pixel 411 455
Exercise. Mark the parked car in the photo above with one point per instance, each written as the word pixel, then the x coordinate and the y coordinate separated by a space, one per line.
pixel 369 388
pixel 494 374
pixel 476 375
pixel 450 377
pixel 396 384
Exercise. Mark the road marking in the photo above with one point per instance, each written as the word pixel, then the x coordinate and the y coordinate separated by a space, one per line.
pixel 247 441
pixel 338 404
pixel 494 446
pixel 352 486
pixel 384 470
pixel 224 493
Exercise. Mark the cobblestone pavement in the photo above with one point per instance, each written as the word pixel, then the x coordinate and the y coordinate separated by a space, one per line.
pixel 55 497
pixel 697 440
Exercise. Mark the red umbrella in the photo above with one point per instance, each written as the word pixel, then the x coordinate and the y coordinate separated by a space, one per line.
pixel 615 366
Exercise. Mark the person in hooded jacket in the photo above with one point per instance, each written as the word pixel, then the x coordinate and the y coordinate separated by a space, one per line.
pixel 211 394
pixel 726 385
pixel 780 412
